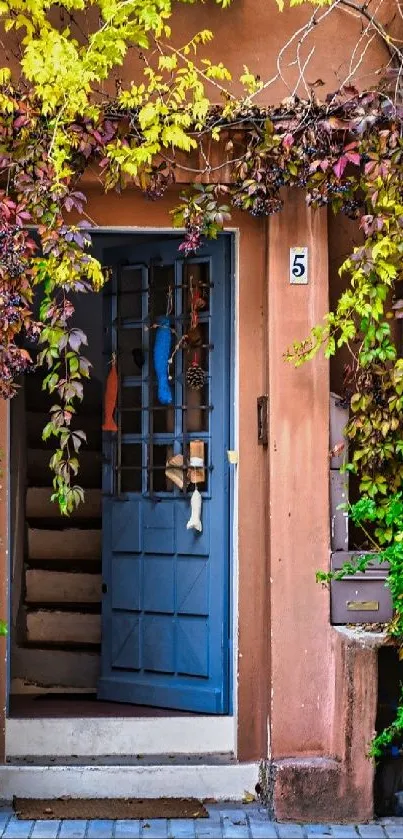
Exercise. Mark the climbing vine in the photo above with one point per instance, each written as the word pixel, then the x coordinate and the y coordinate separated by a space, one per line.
pixel 345 153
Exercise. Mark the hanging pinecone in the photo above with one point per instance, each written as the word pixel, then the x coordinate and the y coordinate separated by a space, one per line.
pixel 195 376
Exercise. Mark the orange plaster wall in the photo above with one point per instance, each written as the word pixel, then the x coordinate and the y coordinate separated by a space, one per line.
pixel 302 693
pixel 252 33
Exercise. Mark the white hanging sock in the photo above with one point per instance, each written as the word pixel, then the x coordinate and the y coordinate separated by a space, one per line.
pixel 194 522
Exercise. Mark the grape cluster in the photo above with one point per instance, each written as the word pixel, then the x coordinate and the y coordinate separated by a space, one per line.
pixel 12 247
pixel 10 306
pixel 352 208
pixel 14 362
pixel 266 206
pixel 260 204
pixel 274 176
pixel 341 192
pixel 157 185
pixel 318 197
pixel 15 317
pixel 154 190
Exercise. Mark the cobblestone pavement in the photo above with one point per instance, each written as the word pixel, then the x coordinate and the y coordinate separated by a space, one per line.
pixel 224 822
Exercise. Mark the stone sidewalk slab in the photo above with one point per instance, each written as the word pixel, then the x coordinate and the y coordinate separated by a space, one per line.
pixel 226 821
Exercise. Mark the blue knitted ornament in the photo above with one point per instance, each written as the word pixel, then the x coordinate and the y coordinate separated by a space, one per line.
pixel 162 351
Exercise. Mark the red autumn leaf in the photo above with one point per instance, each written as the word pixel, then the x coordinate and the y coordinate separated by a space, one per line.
pixel 340 166
pixel 337 449
pixel 370 166
pixel 351 146
pixel 353 157
pixel 288 140
pixel 20 122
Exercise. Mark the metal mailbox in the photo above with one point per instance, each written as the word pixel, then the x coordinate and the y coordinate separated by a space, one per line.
pixel 361 597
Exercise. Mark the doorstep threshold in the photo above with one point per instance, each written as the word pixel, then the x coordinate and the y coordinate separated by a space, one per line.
pixel 119 736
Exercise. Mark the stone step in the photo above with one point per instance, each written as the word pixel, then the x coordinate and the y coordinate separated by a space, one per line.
pixel 62 587
pixel 60 668
pixel 70 543
pixel 39 505
pixel 46 626
pixel 204 780
pixel 40 474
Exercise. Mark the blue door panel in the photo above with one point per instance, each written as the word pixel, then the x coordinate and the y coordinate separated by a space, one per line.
pixel 192 646
pixel 158 527
pixel 165 610
pixel 190 542
pixel 125 633
pixel 126 527
pixel 193 587
pixel 159 643
pixel 159 584
pixel 126 582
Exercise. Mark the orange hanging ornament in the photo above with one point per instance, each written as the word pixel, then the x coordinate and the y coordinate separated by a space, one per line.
pixel 111 392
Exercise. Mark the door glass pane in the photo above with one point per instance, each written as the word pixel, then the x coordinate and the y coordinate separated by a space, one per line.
pixel 196 282
pixel 197 409
pixel 196 387
pixel 162 417
pixel 131 354
pixel 202 486
pixel 130 293
pixel 130 410
pixel 161 291
pixel 161 461
pixel 130 468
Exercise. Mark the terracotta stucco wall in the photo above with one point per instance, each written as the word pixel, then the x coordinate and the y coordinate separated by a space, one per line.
pixel 253 32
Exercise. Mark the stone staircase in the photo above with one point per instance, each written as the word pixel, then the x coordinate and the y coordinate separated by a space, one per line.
pixel 58 647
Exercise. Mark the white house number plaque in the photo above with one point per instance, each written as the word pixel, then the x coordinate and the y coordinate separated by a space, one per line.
pixel 299 266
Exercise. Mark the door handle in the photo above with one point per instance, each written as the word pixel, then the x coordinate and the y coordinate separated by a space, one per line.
pixel 262 420
pixel 104 588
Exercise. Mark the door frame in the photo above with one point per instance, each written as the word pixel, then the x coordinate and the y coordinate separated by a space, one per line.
pixel 152 235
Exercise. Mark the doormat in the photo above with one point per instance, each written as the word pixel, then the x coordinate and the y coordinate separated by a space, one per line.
pixel 109 808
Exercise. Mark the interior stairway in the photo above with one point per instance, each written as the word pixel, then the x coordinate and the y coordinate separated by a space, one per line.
pixel 59 622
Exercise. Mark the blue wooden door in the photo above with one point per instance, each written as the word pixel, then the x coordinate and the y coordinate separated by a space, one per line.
pixel 165 610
